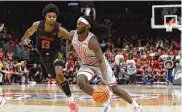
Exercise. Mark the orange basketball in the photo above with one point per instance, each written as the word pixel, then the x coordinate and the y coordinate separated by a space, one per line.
pixel 101 94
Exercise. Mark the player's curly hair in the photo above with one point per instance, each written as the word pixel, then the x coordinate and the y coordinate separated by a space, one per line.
pixel 50 8
pixel 89 19
pixel 94 28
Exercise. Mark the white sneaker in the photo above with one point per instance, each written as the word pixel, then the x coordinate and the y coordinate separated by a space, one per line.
pixel 107 105
pixel 138 109
pixel 2 102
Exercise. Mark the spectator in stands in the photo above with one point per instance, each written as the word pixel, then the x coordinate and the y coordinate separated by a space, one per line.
pixel 10 55
pixel 16 42
pixel 108 55
pixel 171 55
pixel 147 76
pixel 131 68
pixel 50 80
pixel 115 69
pixel 164 55
pixel 175 69
pixel 1 64
pixel 77 66
pixel 103 45
pixel 160 43
pixel 161 73
pixel 34 73
pixel 39 76
pixel 148 57
pixel 123 77
pixel 23 70
pixel 177 58
pixel 152 51
pixel 169 66
pixel 135 54
pixel 4 38
pixel 118 58
pixel 69 65
pixel 142 54
pixel 109 44
pixel 17 73
pixel 69 68
pixel 2 54
pixel 8 69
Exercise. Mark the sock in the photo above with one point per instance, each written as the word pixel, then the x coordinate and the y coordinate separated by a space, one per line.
pixel 65 87
pixel 135 104
pixel 71 100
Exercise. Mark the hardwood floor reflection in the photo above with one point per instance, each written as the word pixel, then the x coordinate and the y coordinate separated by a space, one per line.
pixel 49 95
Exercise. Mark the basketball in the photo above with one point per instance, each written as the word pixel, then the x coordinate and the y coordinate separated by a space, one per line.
pixel 101 94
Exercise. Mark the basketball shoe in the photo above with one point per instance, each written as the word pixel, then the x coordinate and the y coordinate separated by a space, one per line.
pixel 72 104
pixel 2 102
pixel 107 105
pixel 138 109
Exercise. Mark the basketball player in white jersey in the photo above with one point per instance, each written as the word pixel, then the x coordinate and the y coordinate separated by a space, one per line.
pixel 93 62
pixel 2 100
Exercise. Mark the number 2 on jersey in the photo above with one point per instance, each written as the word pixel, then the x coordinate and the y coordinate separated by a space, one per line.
pixel 45 44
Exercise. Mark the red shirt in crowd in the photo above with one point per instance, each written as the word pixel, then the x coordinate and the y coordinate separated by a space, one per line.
pixel 15 43
pixel 70 65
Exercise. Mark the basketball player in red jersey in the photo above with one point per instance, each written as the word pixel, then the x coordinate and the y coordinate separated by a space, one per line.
pixel 93 62
pixel 48 37
pixel 2 100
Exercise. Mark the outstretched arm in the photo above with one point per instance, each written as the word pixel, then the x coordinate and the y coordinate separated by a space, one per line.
pixel 30 32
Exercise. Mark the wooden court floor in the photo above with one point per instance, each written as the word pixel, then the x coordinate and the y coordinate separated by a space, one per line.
pixel 47 98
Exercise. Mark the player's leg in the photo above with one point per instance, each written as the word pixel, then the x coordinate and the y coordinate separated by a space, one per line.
pixel 118 90
pixel 82 82
pixel 61 81
pixel 55 69
pixel 84 75
pixel 63 84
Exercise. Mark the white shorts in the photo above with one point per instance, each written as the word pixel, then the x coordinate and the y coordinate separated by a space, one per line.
pixel 91 71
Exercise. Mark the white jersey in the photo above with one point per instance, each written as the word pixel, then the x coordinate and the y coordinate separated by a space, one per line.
pixel 86 55
pixel 90 66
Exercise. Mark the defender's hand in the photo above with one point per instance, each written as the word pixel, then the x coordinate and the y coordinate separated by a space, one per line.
pixel 26 41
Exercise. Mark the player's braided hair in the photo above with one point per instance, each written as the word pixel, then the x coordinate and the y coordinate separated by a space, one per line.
pixel 50 8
